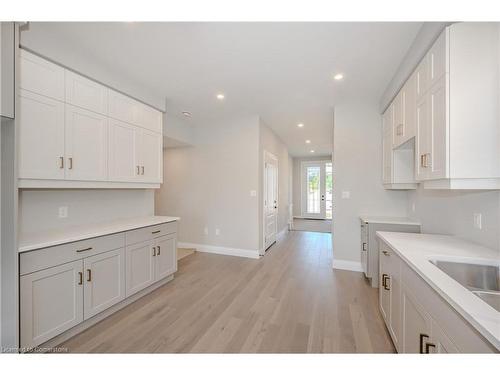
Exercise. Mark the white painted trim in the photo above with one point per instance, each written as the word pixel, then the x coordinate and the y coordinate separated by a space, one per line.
pixel 347 265
pixel 202 248
pixel 67 184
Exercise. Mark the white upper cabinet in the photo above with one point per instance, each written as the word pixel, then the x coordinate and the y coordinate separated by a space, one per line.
pixel 85 93
pixel 86 145
pixel 41 76
pixel 124 145
pixel 451 105
pixel 41 137
pixel 77 133
pixel 151 156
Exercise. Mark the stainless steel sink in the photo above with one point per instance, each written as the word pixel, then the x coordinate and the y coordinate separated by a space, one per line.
pixel 481 279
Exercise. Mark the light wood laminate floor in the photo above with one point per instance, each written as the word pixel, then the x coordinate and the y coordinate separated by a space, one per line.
pixel 289 301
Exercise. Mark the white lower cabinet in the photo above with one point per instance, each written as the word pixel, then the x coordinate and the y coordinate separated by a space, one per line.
pixel 65 285
pixel 150 261
pixel 51 302
pixel 104 281
pixel 418 319
pixel 140 267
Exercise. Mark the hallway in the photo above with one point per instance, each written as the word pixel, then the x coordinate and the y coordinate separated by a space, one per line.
pixel 290 301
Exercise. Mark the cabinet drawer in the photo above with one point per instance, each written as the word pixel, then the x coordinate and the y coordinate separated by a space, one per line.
pixel 52 256
pixel 149 233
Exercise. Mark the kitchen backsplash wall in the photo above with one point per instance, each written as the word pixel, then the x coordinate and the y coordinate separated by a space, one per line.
pixel 452 212
pixel 39 209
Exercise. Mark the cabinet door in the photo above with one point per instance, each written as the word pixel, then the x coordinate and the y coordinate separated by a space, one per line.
pixel 364 249
pixel 384 293
pixel 398 119
pixel 441 341
pixel 422 139
pixel 416 324
pixel 166 256
pixel 149 118
pixel 41 76
pixel 421 79
pixel 387 121
pixel 124 144
pixel 151 156
pixel 85 93
pixel 104 281
pixel 41 137
pixel 7 69
pixel 86 145
pixel 437 59
pixel 51 302
pixel 140 266
pixel 394 284
pixel 409 108
pixel 121 107
pixel 437 162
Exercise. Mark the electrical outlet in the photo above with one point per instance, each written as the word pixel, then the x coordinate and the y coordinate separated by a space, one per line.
pixel 205 231
pixel 346 194
pixel 63 212
pixel 217 231
pixel 478 221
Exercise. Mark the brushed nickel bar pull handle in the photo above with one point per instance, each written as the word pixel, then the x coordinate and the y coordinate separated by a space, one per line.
pixel 89 275
pixel 82 250
pixel 386 253
pixel 70 163
pixel 422 160
pixel 61 162
pixel 154 251
pixel 383 279
pixel 422 336
pixel 142 169
pixel 80 275
pixel 138 170
pixel 158 251
pixel 387 278
pixel 156 231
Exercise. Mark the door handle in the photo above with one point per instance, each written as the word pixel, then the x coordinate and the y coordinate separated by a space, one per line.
pixel 364 246
pixel 138 170
pixel 80 276
pixel 158 253
pixel 81 250
pixel 387 278
pixel 142 167
pixel 427 346
pixel 422 337
pixel 384 275
pixel 154 251
pixel 61 162
pixel 70 163
pixel 386 253
pixel 89 275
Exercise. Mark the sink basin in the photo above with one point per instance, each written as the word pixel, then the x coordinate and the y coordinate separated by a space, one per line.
pixel 481 279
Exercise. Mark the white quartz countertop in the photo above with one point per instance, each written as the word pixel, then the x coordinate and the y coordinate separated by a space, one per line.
pixel 416 250
pixel 388 220
pixel 66 235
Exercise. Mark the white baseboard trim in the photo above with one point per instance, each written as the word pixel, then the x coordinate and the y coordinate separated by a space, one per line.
pixel 347 265
pixel 282 232
pixel 202 248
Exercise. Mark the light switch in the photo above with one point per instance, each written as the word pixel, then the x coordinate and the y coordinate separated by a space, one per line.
pixel 253 193
pixel 63 212
pixel 346 194
pixel 205 231
pixel 217 231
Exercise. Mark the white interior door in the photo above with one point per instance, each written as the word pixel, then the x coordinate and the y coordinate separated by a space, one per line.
pixel 317 189
pixel 270 199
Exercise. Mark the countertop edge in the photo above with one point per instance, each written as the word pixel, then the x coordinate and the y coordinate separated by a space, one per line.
pixel 468 317
pixel 101 233
pixel 380 220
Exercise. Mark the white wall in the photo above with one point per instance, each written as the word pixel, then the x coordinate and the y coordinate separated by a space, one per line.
pixel 297 181
pixel 357 161
pixel 179 131
pixel 451 212
pixel 38 209
pixel 209 184
pixel 270 142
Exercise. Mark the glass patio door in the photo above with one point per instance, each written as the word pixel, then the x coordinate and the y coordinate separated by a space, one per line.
pixel 317 190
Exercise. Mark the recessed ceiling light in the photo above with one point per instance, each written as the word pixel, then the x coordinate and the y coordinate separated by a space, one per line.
pixel 338 76
pixel 312 151
pixel 186 113
pixel 220 96
pixel 301 125
pixel 308 141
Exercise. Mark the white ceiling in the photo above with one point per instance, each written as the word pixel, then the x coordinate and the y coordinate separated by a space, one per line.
pixel 280 71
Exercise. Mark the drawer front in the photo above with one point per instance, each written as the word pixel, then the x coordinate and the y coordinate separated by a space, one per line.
pixel 52 256
pixel 149 233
